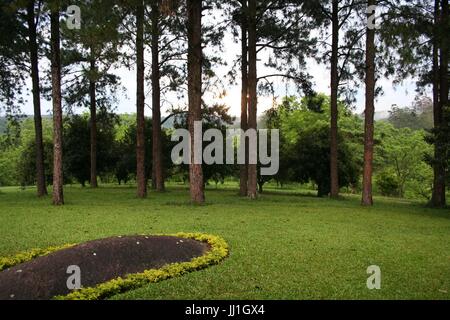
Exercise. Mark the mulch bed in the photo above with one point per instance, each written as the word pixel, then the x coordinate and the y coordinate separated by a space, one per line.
pixel 100 261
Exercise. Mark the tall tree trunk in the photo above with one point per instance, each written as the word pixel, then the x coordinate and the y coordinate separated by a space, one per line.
pixel 34 58
pixel 194 25
pixel 140 103
pixel 93 111
pixel 445 88
pixel 157 170
pixel 441 127
pixel 367 197
pixel 252 103
pixel 438 198
pixel 58 182
pixel 334 173
pixel 244 98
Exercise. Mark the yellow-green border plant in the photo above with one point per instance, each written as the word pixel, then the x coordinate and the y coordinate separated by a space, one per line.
pixel 219 250
pixel 23 257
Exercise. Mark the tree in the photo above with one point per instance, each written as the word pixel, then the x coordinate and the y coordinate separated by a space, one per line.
pixel 58 181
pixel 194 27
pixel 140 102
pixel 244 95
pixel 279 30
pixel 367 197
pixel 12 60
pixel 314 164
pixel 156 99
pixel 26 164
pixel 418 31
pixel 402 154
pixel 33 20
pixel 252 181
pixel 334 192
pixel 441 118
pixel 213 117
pixel 340 14
pixel 125 168
pixel 77 146
pixel 89 54
pixel 305 139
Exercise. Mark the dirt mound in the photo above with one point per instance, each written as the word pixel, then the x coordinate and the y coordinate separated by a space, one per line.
pixel 99 261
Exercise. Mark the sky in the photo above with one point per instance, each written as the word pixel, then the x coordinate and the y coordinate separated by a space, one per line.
pixel 401 95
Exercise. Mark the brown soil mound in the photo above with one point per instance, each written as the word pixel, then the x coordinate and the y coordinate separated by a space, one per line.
pixel 100 261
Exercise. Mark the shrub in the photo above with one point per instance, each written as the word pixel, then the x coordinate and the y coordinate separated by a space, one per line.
pixel 388 184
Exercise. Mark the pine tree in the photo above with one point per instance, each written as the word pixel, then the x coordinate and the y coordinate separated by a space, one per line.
pixel 58 180
pixel 34 61
pixel 194 27
pixel 141 175
pixel 367 196
pixel 422 51
pixel 244 95
pixel 89 53
pixel 157 176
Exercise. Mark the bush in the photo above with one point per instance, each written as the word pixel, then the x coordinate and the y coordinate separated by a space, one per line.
pixel 388 184
pixel 26 164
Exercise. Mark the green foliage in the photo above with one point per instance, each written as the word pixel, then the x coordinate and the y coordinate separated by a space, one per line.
pixel 125 169
pixel 89 54
pixel 26 164
pixel 8 262
pixel 305 142
pixel 312 160
pixel 214 117
pixel 403 153
pixel 8 169
pixel 17 153
pixel 13 57
pixel 388 184
pixel 77 146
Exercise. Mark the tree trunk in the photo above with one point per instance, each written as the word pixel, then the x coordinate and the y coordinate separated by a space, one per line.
pixel 34 58
pixel 93 111
pixel 334 173
pixel 194 25
pixel 252 103
pixel 367 197
pixel 157 170
pixel 58 182
pixel 438 197
pixel 140 103
pixel 444 100
pixel 244 98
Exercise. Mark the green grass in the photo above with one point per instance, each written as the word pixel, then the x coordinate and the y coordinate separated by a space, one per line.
pixel 284 246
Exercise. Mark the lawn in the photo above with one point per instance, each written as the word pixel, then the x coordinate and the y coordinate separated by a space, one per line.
pixel 286 245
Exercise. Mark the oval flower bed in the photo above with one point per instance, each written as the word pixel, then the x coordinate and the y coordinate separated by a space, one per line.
pixel 206 250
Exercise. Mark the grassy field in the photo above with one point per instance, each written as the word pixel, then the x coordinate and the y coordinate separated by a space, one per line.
pixel 284 246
